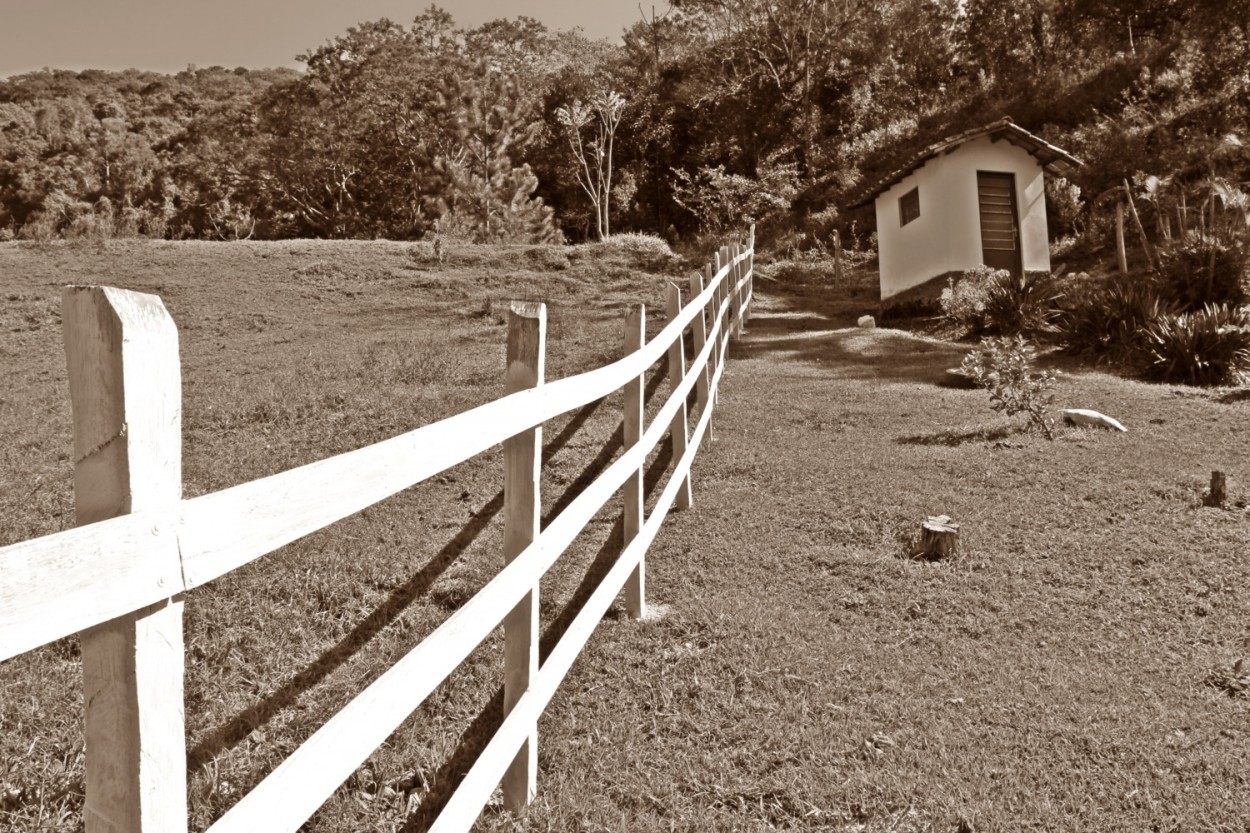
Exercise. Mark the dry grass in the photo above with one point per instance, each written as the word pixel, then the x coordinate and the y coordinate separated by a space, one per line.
pixel 1073 669
pixel 292 352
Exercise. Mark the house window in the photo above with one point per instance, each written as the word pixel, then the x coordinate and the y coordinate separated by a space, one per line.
pixel 909 206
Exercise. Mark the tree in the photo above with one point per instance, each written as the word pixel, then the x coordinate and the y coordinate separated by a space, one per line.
pixel 593 159
pixel 488 198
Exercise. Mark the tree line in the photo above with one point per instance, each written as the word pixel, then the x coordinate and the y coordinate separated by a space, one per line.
pixel 716 113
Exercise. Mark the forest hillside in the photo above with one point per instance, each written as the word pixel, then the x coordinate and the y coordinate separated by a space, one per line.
pixel 717 113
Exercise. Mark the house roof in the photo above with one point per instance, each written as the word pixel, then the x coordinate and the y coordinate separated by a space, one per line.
pixel 1049 156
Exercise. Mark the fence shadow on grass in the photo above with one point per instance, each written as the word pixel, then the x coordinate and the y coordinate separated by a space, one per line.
pixel 260 713
pixel 478 733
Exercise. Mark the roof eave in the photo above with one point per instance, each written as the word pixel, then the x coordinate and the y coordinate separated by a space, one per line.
pixel 1004 129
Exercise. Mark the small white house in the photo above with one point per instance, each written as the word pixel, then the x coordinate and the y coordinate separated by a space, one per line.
pixel 976 198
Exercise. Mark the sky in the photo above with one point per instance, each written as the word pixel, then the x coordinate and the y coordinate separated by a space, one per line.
pixel 167 35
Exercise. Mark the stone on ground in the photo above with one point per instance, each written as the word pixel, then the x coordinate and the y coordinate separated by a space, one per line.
pixel 1084 416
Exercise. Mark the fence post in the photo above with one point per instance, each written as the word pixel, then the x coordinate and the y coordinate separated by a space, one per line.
pixel 739 272
pixel 699 331
pixel 636 585
pixel 679 429
pixel 527 342
pixel 723 292
pixel 751 269
pixel 125 386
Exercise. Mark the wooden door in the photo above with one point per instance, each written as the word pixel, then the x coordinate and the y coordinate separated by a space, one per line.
pixel 1000 224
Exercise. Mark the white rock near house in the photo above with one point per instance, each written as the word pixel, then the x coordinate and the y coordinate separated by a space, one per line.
pixel 1083 416
pixel 867 322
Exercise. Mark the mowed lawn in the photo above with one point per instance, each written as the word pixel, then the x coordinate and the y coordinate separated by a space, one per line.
pixel 1069 670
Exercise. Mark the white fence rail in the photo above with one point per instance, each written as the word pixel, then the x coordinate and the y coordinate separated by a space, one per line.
pixel 119 577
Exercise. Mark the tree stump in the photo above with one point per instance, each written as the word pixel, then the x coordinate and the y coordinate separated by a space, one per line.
pixel 1219 491
pixel 939 538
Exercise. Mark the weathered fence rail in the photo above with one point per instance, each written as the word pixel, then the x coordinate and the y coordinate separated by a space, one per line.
pixel 120 576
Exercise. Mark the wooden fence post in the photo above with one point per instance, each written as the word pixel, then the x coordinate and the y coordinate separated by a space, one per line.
pixel 126 391
pixel 527 347
pixel 680 428
pixel 711 271
pixel 722 261
pixel 699 332
pixel 636 584
pixel 735 250
pixel 751 268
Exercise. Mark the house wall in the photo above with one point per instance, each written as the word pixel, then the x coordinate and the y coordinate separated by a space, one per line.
pixel 947 235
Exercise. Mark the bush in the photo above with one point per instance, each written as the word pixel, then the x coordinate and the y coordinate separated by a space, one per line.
pixel 1004 366
pixel 1109 321
pixel 1207 347
pixel 804 268
pixel 638 242
pixel 548 258
pixel 1204 270
pixel 985 300
pixel 1026 304
pixel 963 300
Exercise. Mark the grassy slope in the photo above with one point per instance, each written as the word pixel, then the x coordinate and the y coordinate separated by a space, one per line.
pixel 806 676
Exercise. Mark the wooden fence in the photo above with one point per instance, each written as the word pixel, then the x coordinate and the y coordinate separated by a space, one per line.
pixel 120 576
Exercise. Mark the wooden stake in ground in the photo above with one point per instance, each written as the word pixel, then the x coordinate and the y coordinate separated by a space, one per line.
pixel 1219 491
pixel 939 538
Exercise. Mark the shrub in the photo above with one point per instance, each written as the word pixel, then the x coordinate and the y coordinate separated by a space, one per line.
pixel 1207 347
pixel 1063 206
pixel 1203 270
pixel 548 258
pixel 804 268
pixel 1026 304
pixel 963 300
pixel 1109 321
pixel 985 300
pixel 1004 367
pixel 648 244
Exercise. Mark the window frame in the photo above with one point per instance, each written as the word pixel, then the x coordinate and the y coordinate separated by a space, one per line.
pixel 903 204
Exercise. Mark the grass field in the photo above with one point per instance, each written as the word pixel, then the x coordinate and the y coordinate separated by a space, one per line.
pixel 1070 670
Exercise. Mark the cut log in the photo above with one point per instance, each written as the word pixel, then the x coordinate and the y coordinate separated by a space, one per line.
pixel 939 538
pixel 1219 491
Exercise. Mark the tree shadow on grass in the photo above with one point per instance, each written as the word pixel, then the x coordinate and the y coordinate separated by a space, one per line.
pixel 260 713
pixel 956 437
pixel 853 353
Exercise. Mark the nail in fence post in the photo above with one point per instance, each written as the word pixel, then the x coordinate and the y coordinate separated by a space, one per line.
pixel 699 330
pixel 126 391
pixel 527 337
pixel 679 429
pixel 635 587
